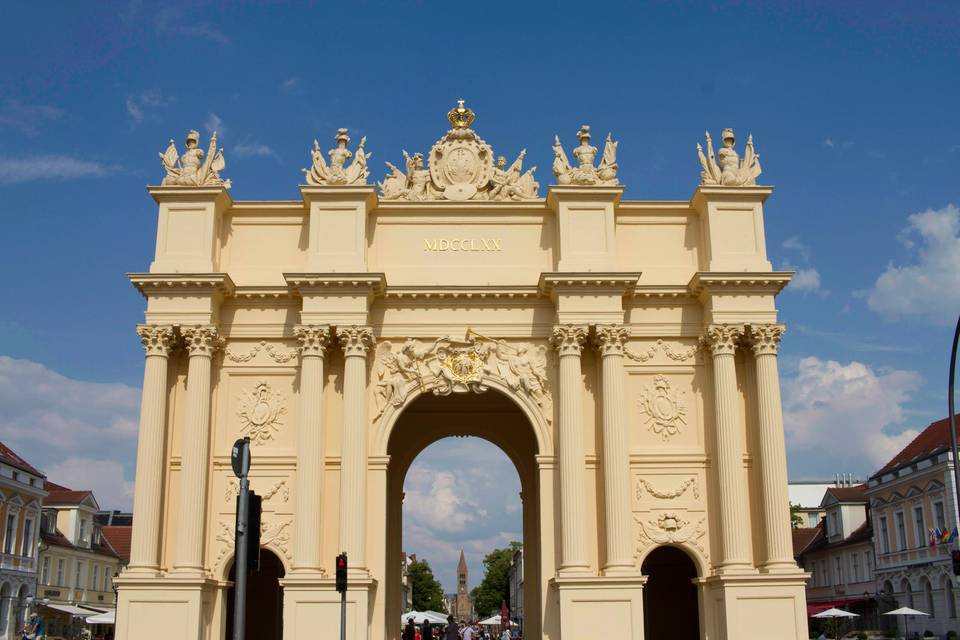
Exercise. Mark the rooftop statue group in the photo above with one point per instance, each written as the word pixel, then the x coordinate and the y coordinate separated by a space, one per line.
pixel 461 166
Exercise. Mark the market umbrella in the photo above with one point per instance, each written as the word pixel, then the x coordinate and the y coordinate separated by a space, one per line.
pixel 836 613
pixel 905 611
pixel 109 617
pixel 418 616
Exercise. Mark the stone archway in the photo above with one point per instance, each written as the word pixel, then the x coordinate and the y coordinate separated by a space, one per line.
pixel 264 600
pixel 492 416
pixel 670 600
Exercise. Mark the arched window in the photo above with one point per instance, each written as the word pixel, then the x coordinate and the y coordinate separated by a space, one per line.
pixel 928 591
pixel 908 593
pixel 951 598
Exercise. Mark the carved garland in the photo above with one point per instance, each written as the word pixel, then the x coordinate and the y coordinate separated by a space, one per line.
pixel 669 494
pixel 277 355
pixel 670 528
pixel 280 488
pixel 661 346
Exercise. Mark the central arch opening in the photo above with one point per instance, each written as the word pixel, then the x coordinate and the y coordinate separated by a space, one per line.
pixel 494 418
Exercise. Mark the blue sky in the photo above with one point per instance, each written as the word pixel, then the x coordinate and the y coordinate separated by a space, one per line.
pixel 853 108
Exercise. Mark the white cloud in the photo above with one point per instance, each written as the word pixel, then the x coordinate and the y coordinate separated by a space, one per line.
pixel 437 499
pixel 290 83
pixel 252 149
pixel 27 118
pixel 14 170
pixel 805 281
pixel 214 123
pixel 794 244
pixel 169 20
pixel 829 143
pixel 102 476
pixel 52 420
pixel 929 287
pixel 843 418
pixel 139 104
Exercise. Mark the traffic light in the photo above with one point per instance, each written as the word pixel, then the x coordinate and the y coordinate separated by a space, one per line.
pixel 955 556
pixel 253 549
pixel 342 573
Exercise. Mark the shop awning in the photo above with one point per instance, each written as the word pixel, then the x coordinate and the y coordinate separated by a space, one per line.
pixel 814 608
pixel 72 610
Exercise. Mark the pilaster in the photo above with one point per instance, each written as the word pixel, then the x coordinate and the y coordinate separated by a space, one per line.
pixel 339 299
pixel 588 297
pixel 188 228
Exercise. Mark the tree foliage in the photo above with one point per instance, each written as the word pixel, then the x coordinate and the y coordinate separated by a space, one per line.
pixel 495 586
pixel 427 592
pixel 796 520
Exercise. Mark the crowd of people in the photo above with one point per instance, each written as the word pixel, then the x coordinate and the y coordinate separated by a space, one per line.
pixel 452 631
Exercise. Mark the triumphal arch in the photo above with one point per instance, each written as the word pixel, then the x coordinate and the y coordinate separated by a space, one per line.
pixel 622 353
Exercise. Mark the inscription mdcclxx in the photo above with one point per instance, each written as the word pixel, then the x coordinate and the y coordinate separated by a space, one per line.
pixel 461 244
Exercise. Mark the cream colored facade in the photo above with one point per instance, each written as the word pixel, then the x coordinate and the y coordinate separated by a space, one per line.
pixel 622 353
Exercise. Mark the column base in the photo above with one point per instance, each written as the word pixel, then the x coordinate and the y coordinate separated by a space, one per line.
pixel 737 569
pixel 757 607
pixel 576 571
pixel 621 571
pixel 311 607
pixel 159 608
pixel 780 567
pixel 613 603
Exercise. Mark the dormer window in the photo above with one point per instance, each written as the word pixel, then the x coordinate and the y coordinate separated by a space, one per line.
pixel 835 524
pixel 83 530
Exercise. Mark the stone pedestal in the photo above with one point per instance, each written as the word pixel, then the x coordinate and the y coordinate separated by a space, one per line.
pixel 179 606
pixel 756 607
pixel 188 228
pixel 338 227
pixel 311 608
pixel 607 606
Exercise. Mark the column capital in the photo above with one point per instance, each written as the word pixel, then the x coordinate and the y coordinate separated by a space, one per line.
pixel 568 339
pixel 355 340
pixel 610 339
pixel 157 339
pixel 201 339
pixel 764 339
pixel 313 338
pixel 722 339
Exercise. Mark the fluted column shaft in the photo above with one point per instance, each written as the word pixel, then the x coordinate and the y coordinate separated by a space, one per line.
pixel 734 522
pixel 356 342
pixel 765 341
pixel 201 342
pixel 147 496
pixel 610 341
pixel 568 341
pixel 311 439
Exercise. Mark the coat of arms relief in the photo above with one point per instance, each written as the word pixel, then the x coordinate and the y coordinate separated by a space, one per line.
pixel 448 365
pixel 462 167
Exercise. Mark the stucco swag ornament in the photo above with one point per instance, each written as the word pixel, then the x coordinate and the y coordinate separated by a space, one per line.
pixel 585 154
pixel 461 167
pixel 337 173
pixel 448 366
pixel 726 168
pixel 670 528
pixel 193 168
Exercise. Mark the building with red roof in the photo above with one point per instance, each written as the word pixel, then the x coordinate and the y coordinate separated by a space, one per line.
pixel 912 506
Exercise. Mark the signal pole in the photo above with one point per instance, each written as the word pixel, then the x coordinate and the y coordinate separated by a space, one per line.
pixel 342 588
pixel 240 460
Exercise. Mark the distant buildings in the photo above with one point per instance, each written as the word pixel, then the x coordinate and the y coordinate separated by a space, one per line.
pixel 461 606
pixel 406 589
pixel 21 496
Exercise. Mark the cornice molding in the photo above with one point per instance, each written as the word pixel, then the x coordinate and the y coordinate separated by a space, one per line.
pixel 189 194
pixel 740 281
pixel 375 283
pixel 581 193
pixel 479 292
pixel 357 193
pixel 200 283
pixel 558 282
pixel 729 194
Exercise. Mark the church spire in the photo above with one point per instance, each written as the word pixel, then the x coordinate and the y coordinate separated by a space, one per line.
pixel 462 565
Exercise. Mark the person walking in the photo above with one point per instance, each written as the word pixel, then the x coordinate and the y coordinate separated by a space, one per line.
pixel 453 632
pixel 468 632
pixel 410 631
pixel 426 630
pixel 506 634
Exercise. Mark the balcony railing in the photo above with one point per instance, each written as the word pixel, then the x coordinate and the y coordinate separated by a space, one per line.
pixel 13 562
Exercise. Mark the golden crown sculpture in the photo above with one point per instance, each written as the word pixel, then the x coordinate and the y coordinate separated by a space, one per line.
pixel 460 116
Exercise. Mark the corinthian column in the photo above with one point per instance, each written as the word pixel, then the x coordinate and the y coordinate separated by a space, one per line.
pixel 145 542
pixel 356 342
pixel 734 522
pixel 568 340
pixel 765 341
pixel 310 448
pixel 201 342
pixel 610 340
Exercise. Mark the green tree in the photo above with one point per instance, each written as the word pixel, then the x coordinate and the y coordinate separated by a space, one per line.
pixel 796 520
pixel 427 592
pixel 495 586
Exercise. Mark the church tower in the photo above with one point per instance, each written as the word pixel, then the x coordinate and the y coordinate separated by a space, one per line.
pixel 464 608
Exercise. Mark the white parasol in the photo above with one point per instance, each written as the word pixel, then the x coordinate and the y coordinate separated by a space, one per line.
pixel 836 613
pixel 905 611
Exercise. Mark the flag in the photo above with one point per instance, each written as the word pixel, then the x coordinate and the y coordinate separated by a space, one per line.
pixel 932 540
pixel 953 535
pixel 944 536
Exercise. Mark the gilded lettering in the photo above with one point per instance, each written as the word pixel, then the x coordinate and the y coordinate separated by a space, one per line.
pixel 429 245
pixel 461 244
pixel 443 244
pixel 496 244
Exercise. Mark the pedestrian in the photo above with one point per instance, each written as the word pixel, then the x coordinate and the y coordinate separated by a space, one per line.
pixel 506 634
pixel 453 632
pixel 410 631
pixel 468 632
pixel 33 629
pixel 426 630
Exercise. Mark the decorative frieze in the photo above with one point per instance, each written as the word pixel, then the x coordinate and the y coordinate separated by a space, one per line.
pixel 668 494
pixel 670 528
pixel 663 407
pixel 277 355
pixel 278 489
pixel 662 347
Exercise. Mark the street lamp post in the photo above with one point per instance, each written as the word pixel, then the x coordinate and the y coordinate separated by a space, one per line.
pixel 953 426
